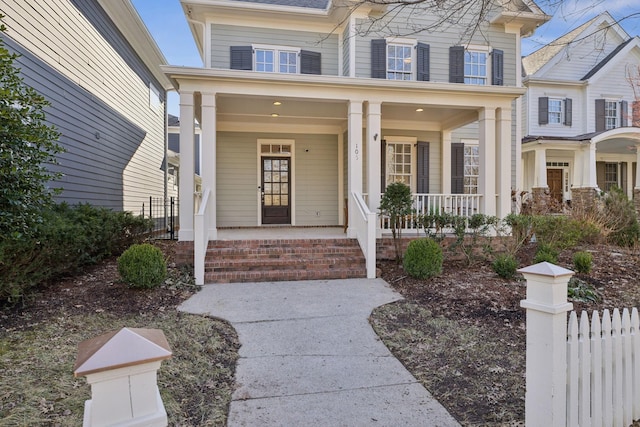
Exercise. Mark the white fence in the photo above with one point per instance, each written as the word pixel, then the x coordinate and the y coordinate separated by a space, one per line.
pixel 364 224
pixel 603 372
pixel 432 204
pixel 583 373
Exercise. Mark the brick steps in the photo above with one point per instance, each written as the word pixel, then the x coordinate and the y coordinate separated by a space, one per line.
pixel 278 260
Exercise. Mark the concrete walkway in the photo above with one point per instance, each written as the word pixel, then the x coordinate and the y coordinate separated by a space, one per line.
pixel 310 358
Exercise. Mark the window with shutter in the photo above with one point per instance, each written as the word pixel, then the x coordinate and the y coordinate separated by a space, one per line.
pixel 310 62
pixel 379 59
pixel 456 64
pixel 241 57
pixel 423 168
pixel 543 110
pixel 568 112
pixel 600 115
pixel 497 67
pixel 423 73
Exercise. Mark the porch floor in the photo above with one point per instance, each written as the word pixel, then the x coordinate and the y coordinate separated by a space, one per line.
pixel 281 232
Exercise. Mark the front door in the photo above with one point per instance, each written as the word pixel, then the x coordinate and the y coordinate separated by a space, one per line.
pixel 554 181
pixel 276 186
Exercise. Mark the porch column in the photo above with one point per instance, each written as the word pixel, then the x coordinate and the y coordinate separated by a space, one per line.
pixel 209 164
pixel 487 154
pixel 503 158
pixel 186 185
pixel 578 159
pixel 636 188
pixel 354 159
pixel 446 161
pixel 583 196
pixel 540 190
pixel 589 178
pixel 630 180
pixel 374 137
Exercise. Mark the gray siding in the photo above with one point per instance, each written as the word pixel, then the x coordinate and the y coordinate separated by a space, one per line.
pixel 346 54
pixel 99 142
pixel 439 40
pixel 225 36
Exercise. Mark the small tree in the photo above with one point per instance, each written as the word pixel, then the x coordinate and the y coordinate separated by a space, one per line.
pixel 396 203
pixel 27 146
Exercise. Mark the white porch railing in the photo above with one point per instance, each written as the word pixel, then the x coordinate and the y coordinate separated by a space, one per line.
pixel 465 205
pixel 364 224
pixel 201 237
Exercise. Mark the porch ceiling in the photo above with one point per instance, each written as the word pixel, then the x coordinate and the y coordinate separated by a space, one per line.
pixel 618 146
pixel 291 111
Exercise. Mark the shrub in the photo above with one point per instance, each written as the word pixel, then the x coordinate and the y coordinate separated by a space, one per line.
pixel 423 259
pixel 546 252
pixel 563 232
pixel 582 262
pixel 396 203
pixel 622 218
pixel 142 266
pixel 505 266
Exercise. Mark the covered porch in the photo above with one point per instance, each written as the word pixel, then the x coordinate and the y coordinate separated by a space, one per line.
pixel 318 150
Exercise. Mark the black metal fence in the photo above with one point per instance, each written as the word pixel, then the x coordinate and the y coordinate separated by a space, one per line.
pixel 165 216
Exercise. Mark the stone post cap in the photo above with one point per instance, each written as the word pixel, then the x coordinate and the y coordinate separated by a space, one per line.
pixel 119 349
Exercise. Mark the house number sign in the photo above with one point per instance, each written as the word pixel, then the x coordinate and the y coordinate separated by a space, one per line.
pixel 356 152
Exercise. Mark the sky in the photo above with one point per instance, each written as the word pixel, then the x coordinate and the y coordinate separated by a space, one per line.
pixel 168 26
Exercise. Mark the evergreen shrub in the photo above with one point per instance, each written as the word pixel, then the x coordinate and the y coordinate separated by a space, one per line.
pixel 423 258
pixel 142 266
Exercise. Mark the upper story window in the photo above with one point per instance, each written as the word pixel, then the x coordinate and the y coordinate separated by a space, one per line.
pixel 555 111
pixel 475 67
pixel 479 65
pixel 610 115
pixel 399 62
pixel 278 60
pixel 399 59
pixel 275 59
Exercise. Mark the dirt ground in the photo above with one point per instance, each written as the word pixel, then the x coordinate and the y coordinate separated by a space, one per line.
pixel 462 334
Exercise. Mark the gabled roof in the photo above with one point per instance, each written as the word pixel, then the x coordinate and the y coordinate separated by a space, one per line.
pixel 606 60
pixel 536 60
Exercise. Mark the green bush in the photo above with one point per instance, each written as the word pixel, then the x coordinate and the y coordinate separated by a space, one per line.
pixel 68 239
pixel 142 266
pixel 582 262
pixel 423 259
pixel 505 266
pixel 563 232
pixel 622 218
pixel 546 252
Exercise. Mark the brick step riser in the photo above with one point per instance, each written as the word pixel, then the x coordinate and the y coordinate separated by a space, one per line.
pixel 238 277
pixel 278 253
pixel 281 244
pixel 308 265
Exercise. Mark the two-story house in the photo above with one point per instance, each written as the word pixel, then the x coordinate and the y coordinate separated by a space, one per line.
pixel 579 134
pixel 99 67
pixel 308 109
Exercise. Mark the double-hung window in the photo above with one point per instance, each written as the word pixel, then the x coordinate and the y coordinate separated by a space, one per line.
pixel 555 111
pixel 611 114
pixel 475 67
pixel 399 61
pixel 471 168
pixel 610 176
pixel 399 162
pixel 276 59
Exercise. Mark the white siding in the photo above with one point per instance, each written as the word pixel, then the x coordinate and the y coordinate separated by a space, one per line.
pixel 578 126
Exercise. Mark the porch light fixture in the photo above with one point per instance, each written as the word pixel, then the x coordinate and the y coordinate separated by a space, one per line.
pixel 275 114
pixel 276 103
pixel 419 110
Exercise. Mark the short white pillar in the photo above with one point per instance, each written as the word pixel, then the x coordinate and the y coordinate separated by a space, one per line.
pixel 546 372
pixel 121 367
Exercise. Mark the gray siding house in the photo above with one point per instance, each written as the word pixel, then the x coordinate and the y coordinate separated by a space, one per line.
pixel 97 65
pixel 309 109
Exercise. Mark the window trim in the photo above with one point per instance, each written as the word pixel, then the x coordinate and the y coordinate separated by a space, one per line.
pixel 616 116
pixel 413 142
pixel 470 143
pixel 404 42
pixel 276 57
pixel 486 50
pixel 560 113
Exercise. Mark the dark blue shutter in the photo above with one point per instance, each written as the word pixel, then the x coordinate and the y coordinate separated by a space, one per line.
pixel 423 167
pixel 568 112
pixel 457 168
pixel 456 64
pixel 600 116
pixel 310 62
pixel 423 62
pixel 543 110
pixel 624 107
pixel 241 58
pixel 497 67
pixel 379 59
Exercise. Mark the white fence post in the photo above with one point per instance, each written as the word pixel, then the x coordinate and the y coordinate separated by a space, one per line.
pixel 546 372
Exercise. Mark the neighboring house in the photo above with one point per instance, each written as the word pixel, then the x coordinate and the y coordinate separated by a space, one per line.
pixel 98 66
pixel 173 156
pixel 580 137
pixel 306 104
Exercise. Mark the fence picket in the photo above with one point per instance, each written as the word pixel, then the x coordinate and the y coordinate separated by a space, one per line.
pixel 572 371
pixel 635 344
pixel 584 383
pixel 616 326
pixel 627 372
pixel 607 370
pixel 596 371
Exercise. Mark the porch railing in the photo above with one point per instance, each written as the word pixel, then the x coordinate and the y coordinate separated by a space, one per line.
pixel 201 237
pixel 364 223
pixel 465 205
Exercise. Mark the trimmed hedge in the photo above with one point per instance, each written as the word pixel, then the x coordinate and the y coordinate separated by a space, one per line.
pixel 68 238
pixel 142 266
pixel 423 258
